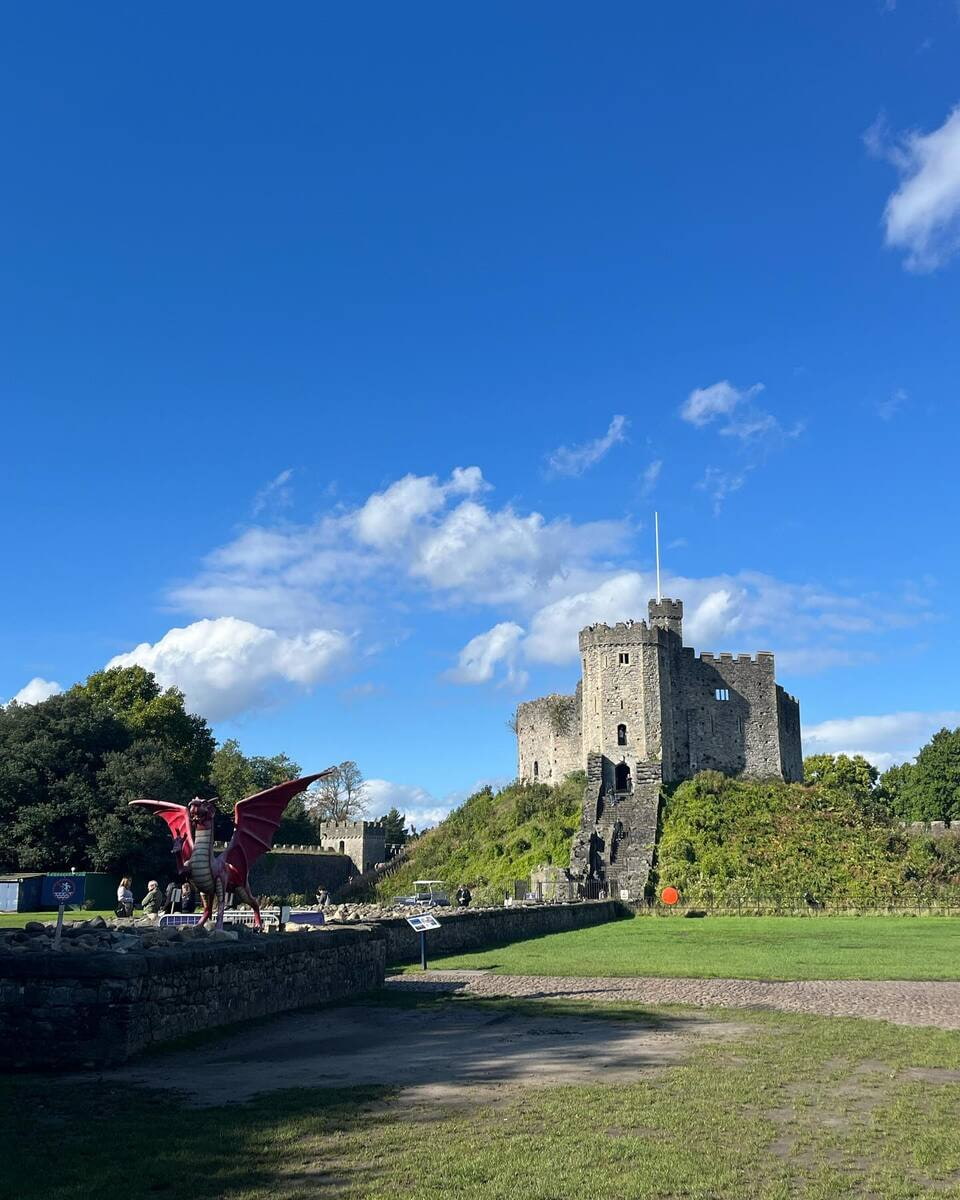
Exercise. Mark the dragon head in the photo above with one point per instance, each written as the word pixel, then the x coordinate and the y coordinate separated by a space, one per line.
pixel 201 812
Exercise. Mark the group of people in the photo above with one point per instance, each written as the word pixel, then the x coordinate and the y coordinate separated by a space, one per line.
pixel 178 897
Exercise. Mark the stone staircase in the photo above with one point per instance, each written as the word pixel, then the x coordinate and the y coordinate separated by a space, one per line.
pixel 617 838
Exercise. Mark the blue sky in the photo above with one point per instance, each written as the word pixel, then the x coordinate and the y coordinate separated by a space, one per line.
pixel 346 353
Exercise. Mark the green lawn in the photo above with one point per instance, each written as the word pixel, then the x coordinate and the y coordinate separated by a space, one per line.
pixel 797 1108
pixel 737 948
pixel 18 920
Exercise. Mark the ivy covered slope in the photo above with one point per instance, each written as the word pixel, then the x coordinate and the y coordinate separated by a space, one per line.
pixel 832 839
pixel 494 838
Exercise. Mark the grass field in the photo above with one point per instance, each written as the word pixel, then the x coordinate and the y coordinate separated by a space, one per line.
pixel 803 1108
pixel 738 948
pixel 18 920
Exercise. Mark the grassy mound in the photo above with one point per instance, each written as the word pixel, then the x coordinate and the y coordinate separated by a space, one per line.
pixel 720 836
pixel 494 838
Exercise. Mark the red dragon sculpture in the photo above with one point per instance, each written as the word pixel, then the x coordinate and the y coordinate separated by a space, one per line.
pixel 255 820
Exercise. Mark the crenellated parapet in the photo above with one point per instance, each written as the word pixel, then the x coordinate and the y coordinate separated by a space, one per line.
pixel 624 633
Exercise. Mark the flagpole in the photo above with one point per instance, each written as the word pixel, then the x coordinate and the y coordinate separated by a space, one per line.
pixel 656 528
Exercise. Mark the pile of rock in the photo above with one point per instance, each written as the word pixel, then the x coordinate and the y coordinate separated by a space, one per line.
pixel 344 914
pixel 119 937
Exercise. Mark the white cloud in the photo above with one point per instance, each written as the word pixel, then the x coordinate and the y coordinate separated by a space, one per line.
pixel 808 628
pixel 554 628
pixel 417 533
pixel 37 690
pixel 574 460
pixel 651 477
pixel 719 485
pixel 391 515
pixel 732 411
pixel 884 740
pixel 276 494
pixel 704 405
pixel 421 809
pixel 480 657
pixel 227 666
pixel 922 217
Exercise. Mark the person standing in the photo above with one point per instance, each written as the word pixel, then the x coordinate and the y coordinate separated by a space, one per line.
pixel 152 903
pixel 125 897
pixel 188 897
pixel 463 896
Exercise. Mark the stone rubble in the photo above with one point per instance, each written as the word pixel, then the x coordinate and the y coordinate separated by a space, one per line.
pixel 136 934
pixel 118 937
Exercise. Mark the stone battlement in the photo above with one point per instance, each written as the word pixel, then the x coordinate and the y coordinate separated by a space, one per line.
pixel 764 657
pixel 624 633
pixel 349 828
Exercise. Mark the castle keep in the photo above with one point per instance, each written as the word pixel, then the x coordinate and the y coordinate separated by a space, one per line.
pixel 647 711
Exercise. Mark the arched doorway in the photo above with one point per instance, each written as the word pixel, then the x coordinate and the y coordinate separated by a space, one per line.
pixel 623 783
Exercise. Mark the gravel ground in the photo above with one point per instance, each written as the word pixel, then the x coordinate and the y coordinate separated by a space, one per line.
pixel 898 1001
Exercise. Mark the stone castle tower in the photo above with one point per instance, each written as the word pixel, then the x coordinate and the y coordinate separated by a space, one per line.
pixel 648 711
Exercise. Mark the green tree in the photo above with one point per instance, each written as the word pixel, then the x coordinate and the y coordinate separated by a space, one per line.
pixel 847 780
pixel 893 788
pixel 931 789
pixel 341 796
pixel 235 776
pixel 394 829
pixel 69 766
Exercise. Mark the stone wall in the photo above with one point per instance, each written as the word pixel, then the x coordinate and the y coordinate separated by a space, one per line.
pixel 73 1009
pixel 362 841
pixel 480 929
pixel 548 739
pixel 287 873
pixel 94 1009
pixel 616 841
pixel 791 749
pixel 737 735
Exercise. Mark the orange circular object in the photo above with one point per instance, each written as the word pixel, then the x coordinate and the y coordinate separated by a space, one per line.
pixel 669 895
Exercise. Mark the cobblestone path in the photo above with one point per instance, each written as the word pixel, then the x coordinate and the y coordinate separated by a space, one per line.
pixel 898 1001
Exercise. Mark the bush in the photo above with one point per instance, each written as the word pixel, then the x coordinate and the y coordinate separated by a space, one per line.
pixel 823 842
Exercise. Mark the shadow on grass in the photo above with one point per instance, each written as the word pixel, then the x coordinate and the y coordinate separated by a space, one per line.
pixel 135 1142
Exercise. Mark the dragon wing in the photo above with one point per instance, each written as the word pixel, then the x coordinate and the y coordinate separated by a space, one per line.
pixel 177 818
pixel 255 822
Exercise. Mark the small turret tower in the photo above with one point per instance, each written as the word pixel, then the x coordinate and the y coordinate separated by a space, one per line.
pixel 668 615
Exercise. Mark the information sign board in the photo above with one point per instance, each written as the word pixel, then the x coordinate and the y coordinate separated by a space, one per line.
pixel 422 924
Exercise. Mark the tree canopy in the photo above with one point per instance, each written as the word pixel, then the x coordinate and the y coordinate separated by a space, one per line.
pixel 341 796
pixel 929 788
pixel 69 766
pixel 234 776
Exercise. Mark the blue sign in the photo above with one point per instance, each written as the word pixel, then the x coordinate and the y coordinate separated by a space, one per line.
pixel 64 890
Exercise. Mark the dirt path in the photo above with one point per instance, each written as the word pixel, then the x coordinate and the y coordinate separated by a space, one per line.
pixel 901 1002
pixel 456 1053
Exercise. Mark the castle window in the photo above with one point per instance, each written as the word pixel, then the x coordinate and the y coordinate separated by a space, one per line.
pixel 341 847
pixel 536 770
pixel 624 659
pixel 621 735
pixel 722 693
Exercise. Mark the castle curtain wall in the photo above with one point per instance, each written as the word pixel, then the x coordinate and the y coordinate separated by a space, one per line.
pixel 548 738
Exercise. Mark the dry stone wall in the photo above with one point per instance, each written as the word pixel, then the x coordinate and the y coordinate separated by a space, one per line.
pixel 80 1007
pixel 93 1009
pixel 480 929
